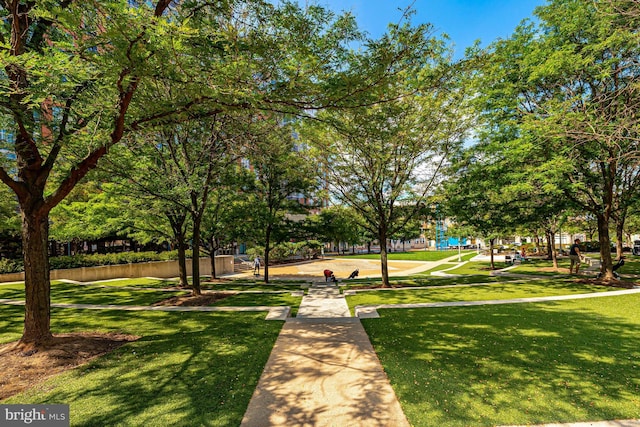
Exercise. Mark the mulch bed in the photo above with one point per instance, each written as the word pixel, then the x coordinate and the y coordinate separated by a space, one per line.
pixel 25 366
pixel 194 301
pixel 613 283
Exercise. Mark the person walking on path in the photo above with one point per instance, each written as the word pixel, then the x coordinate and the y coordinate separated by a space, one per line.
pixel 256 265
pixel 574 255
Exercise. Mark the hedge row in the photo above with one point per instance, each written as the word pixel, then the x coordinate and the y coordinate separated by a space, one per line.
pixel 307 249
pixel 94 260
pixel 11 266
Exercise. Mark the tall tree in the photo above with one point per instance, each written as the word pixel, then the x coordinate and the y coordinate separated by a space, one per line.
pixel 573 79
pixel 76 76
pixel 389 154
pixel 221 221
pixel 474 197
pixel 71 70
pixel 284 173
pixel 336 224
pixel 155 198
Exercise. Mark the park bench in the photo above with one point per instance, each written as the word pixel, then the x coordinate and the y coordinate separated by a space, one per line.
pixel 517 259
pixel 593 263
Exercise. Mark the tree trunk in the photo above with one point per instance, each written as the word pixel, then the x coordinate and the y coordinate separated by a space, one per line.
pixel 177 226
pixel 493 264
pixel 182 261
pixel 536 239
pixel 552 245
pixel 212 256
pixel 195 259
pixel 605 247
pixel 620 238
pixel 383 258
pixel 37 312
pixel 267 242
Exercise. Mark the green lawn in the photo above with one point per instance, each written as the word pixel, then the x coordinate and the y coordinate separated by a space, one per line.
pixel 563 361
pixel 474 268
pixel 631 264
pixel 519 364
pixel 241 286
pixel 505 290
pixel 142 282
pixel 412 256
pixel 543 267
pixel 443 266
pixel 253 300
pixel 70 293
pixel 420 280
pixel 187 369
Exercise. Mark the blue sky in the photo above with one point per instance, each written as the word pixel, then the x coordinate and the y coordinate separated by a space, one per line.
pixel 463 20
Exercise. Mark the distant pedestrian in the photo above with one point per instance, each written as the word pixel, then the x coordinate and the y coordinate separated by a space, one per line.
pixel 256 266
pixel 574 255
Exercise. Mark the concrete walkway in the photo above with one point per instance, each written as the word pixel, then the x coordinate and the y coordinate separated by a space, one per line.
pixel 323 372
pixel 273 312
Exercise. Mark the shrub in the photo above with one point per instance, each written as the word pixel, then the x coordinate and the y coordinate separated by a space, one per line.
pixel 309 249
pixel 288 250
pixel 93 260
pixel 255 251
pixel 11 266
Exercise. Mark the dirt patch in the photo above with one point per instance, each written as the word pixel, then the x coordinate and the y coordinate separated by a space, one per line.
pixel 612 284
pixel 553 270
pixel 23 367
pixel 195 301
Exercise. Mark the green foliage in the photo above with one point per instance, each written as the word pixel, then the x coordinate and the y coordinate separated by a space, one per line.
pixel 9 213
pixel 309 249
pixel 93 260
pixel 289 250
pixel 10 241
pixel 92 211
pixel 383 158
pixel 11 265
pixel 336 224
pixel 559 98
pixel 255 251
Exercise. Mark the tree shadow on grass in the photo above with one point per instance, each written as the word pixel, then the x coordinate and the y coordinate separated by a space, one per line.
pixel 11 323
pixel 514 364
pixel 188 369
